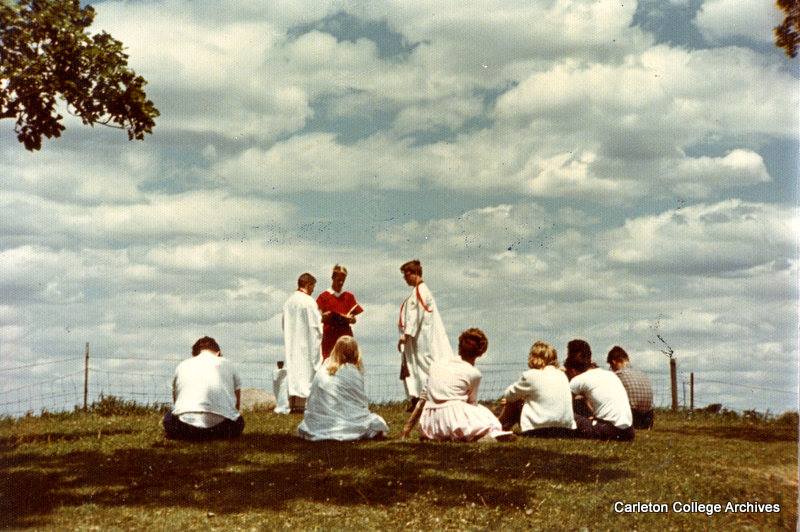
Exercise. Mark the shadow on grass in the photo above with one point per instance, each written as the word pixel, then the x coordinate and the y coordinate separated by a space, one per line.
pixel 268 471
pixel 752 433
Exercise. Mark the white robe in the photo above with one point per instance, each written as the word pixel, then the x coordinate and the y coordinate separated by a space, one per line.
pixel 302 335
pixel 426 339
pixel 337 408
pixel 281 390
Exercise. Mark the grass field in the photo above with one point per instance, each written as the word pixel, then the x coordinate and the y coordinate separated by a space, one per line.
pixel 91 471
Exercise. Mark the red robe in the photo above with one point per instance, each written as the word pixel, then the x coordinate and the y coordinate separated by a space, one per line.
pixel 335 326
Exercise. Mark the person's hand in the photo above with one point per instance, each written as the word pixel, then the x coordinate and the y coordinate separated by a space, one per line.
pixel 400 343
pixel 350 318
pixel 503 402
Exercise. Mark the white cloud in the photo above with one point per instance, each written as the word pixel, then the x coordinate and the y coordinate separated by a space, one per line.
pixel 701 175
pixel 725 19
pixel 565 175
pixel 199 214
pixel 707 239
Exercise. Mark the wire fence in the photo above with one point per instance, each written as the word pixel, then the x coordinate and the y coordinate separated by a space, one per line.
pixel 58 385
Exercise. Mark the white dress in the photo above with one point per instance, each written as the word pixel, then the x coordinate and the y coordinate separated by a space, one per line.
pixel 426 337
pixel 302 335
pixel 337 408
pixel 451 410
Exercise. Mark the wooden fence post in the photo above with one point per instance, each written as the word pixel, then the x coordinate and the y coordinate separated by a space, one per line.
pixel 86 379
pixel 673 376
pixel 691 391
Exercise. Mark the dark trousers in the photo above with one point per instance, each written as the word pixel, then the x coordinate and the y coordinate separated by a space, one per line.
pixel 550 432
pixel 600 429
pixel 178 430
pixel 643 420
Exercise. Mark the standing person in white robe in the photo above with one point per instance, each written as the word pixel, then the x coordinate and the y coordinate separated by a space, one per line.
pixel 423 339
pixel 449 406
pixel 281 389
pixel 337 407
pixel 302 335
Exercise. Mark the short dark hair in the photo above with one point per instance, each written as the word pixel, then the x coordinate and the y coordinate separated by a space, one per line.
pixel 617 354
pixel 413 266
pixel 579 356
pixel 306 279
pixel 472 343
pixel 280 364
pixel 206 343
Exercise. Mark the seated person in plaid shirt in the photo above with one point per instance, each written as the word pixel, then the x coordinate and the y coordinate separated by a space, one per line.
pixel 637 384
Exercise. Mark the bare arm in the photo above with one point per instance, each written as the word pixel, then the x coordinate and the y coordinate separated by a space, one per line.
pixel 238 398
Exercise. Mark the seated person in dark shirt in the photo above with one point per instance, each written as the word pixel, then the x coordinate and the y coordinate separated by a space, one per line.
pixel 637 385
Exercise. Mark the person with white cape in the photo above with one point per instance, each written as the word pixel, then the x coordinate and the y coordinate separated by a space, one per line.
pixel 337 406
pixel 423 339
pixel 302 334
pixel 281 389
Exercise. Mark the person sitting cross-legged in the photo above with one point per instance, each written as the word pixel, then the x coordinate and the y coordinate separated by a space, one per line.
pixel 637 385
pixel 448 408
pixel 206 394
pixel 540 401
pixel 337 406
pixel 611 417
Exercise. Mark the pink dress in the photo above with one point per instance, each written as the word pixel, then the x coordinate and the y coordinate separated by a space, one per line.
pixel 451 411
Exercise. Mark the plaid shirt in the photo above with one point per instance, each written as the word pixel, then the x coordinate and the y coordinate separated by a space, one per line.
pixel 637 384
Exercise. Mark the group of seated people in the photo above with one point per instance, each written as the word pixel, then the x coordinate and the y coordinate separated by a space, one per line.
pixel 580 400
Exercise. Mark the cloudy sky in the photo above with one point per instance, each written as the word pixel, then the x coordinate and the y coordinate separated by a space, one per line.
pixel 613 171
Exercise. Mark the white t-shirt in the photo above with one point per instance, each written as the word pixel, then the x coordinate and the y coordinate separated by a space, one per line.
pixel 206 383
pixel 606 394
pixel 452 380
pixel 547 396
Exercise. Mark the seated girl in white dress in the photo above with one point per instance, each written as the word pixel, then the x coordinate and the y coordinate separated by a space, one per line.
pixel 448 408
pixel 337 407
pixel 541 400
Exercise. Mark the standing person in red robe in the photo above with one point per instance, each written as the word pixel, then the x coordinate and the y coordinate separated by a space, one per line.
pixel 338 309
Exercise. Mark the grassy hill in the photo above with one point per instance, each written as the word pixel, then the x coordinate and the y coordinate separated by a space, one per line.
pixel 92 471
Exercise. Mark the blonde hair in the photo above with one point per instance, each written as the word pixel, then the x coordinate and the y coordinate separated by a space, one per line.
pixel 541 355
pixel 345 351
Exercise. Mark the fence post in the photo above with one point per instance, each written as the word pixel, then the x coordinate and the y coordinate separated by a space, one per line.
pixel 691 391
pixel 673 376
pixel 86 378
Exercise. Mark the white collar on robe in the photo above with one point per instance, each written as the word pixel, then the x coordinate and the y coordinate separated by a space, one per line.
pixel 335 294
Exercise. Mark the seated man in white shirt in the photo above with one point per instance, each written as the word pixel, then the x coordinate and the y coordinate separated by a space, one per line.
pixel 206 393
pixel 611 417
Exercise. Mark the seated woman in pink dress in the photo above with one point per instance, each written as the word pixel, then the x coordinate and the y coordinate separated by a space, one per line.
pixel 448 409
